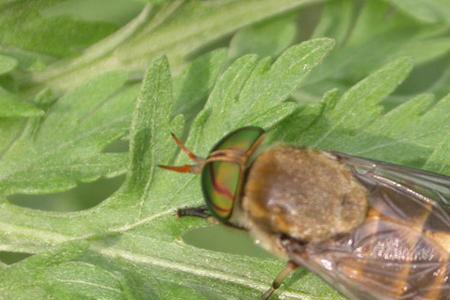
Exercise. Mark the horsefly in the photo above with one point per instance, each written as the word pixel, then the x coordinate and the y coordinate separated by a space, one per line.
pixel 373 230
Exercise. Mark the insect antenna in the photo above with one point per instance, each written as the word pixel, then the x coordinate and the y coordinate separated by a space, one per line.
pixel 195 168
pixel 183 148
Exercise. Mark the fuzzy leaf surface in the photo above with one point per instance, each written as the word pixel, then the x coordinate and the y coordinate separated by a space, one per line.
pixel 116 248
pixel 10 106
pixel 357 123
pixel 55 151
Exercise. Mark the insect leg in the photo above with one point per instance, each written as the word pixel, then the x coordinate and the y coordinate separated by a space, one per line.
pixel 290 267
pixel 199 212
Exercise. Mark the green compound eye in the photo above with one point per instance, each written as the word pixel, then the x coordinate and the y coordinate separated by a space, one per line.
pixel 221 180
pixel 220 184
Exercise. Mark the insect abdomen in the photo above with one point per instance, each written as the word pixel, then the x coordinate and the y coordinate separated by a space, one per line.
pixel 410 263
pixel 413 234
pixel 397 253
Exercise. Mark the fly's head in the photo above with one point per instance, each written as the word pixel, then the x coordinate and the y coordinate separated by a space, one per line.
pixel 223 172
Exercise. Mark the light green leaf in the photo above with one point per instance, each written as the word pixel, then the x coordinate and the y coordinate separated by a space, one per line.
pixel 357 123
pixel 336 21
pixel 303 118
pixel 376 38
pixel 192 87
pixel 153 112
pixel 115 12
pixel 32 273
pixel 177 29
pixel 7 64
pixel 134 234
pixel 351 111
pixel 438 161
pixel 10 106
pixel 424 10
pixel 10 129
pixel 269 38
pixel 250 89
pixel 37 32
pixel 64 146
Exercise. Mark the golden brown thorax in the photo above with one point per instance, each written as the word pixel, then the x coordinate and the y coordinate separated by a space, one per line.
pixel 305 194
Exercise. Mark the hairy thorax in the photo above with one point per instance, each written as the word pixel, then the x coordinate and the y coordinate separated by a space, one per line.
pixel 305 194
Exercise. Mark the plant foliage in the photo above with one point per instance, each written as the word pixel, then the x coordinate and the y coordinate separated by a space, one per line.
pixel 60 110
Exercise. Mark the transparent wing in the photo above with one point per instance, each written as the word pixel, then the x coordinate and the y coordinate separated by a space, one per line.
pixel 386 264
pixel 429 184
pixel 402 249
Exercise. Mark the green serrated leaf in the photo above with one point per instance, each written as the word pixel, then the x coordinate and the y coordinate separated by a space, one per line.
pixel 377 37
pixel 250 88
pixel 357 107
pixel 134 233
pixel 131 245
pixel 34 271
pixel 438 161
pixel 10 106
pixel 362 127
pixel 64 146
pixel 196 81
pixel 146 142
pixel 303 118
